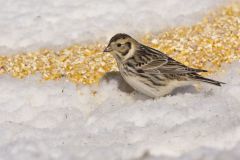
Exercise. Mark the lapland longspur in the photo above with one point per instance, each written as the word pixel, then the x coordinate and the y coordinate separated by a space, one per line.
pixel 150 71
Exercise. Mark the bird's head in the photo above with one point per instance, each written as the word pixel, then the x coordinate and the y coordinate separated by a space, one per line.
pixel 121 46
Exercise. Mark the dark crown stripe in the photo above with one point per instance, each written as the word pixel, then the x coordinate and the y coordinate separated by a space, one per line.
pixel 119 36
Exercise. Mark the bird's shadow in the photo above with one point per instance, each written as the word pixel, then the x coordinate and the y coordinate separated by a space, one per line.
pixel 124 87
pixel 184 89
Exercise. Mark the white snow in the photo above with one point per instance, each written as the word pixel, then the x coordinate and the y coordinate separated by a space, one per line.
pixel 51 120
pixel 58 120
pixel 32 24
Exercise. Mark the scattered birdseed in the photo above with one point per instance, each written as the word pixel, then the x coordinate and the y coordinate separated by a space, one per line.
pixel 207 45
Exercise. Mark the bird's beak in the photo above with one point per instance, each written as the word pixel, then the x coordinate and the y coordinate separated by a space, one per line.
pixel 108 49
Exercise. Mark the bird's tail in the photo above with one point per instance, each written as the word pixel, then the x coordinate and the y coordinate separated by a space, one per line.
pixel 206 80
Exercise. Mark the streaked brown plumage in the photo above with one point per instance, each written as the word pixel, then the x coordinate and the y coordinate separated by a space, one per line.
pixel 150 71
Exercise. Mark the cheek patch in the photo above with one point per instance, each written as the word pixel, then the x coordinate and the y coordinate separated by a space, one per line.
pixel 125 53
pixel 128 47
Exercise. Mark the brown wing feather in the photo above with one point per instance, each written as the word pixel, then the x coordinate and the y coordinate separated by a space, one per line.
pixel 161 63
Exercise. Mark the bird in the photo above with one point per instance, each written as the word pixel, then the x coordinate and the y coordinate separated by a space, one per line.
pixel 149 71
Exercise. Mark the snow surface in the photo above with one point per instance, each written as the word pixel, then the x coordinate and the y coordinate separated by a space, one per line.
pixel 51 120
pixel 58 120
pixel 31 24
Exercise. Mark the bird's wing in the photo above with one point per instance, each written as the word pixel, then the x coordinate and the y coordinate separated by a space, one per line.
pixel 158 62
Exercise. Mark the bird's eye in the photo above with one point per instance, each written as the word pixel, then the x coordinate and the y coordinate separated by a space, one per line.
pixel 119 45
